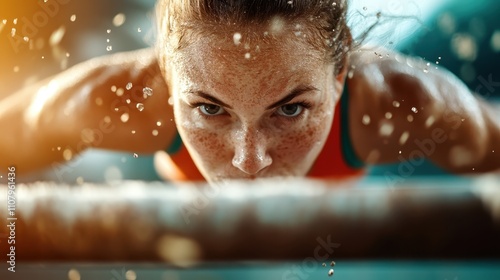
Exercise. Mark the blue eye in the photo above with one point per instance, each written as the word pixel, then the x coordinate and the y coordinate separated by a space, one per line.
pixel 211 110
pixel 290 110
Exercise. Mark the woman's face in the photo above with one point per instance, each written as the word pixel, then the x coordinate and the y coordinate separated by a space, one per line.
pixel 253 109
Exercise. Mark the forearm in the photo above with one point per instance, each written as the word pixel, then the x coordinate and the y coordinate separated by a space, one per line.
pixel 83 107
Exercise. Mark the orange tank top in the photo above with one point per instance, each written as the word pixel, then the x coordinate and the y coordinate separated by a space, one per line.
pixel 337 160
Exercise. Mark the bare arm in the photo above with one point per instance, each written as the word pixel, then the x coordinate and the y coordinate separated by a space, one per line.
pixel 59 117
pixel 403 109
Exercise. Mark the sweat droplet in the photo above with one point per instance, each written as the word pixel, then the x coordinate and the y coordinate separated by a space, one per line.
pixel 72 18
pixel 136 155
pixel 330 272
pixel 388 115
pixel 404 137
pixel 366 120
pixel 124 117
pixel 140 107
pixel 396 104
pixel 332 263
pixel 128 86
pixel 155 132
pixel 158 123
pixel 247 55
pixel 236 38
pixel 147 91
pixel 414 110
pixel 386 129
pixel 109 48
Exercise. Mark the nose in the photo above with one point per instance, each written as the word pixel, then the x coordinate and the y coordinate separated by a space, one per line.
pixel 251 152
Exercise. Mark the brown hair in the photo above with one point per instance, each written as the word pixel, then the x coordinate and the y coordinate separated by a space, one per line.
pixel 326 18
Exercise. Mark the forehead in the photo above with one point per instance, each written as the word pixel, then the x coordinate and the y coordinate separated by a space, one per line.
pixel 255 55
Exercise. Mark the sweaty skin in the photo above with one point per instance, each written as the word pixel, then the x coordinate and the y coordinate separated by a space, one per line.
pixel 252 133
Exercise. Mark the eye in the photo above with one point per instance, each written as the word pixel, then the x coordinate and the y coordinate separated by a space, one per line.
pixel 211 110
pixel 290 110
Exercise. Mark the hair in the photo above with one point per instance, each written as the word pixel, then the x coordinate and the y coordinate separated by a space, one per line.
pixel 325 18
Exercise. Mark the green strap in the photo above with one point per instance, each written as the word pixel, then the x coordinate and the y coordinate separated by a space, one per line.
pixel 350 156
pixel 176 145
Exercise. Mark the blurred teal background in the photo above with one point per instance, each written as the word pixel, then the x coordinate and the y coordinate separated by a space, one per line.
pixel 461 35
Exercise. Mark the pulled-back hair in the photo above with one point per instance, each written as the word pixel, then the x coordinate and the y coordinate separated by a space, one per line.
pixel 325 18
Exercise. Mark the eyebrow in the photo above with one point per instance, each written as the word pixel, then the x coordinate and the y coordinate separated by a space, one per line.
pixel 302 89
pixel 210 98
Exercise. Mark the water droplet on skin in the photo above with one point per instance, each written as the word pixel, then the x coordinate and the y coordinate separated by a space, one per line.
pixel 108 31
pixel 140 107
pixel 124 117
pixel 147 91
pixel 404 137
pixel 414 110
pixel 13 32
pixel 107 40
pixel 388 115
pixel 430 121
pixel 113 88
pixel 399 152
pixel 119 19
pixel 72 18
pixel 133 131
pixel 67 154
pixel 136 155
pixel 386 129
pixel 247 55
pixel 139 30
pixel 119 92
pixel 236 38
pixel 171 101
pixel 155 132
pixel 396 104
pixel 58 148
pixel 330 272
pixel 409 118
pixel 14 21
pixel 158 123
pixel 332 263
pixel 128 101
pixel 109 48
pixel 128 86
pixel 366 120
pixel 26 39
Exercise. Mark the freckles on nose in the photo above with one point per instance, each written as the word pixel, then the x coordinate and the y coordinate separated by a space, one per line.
pixel 250 155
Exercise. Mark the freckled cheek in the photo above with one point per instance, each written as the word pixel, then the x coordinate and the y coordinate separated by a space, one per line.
pixel 296 146
pixel 211 147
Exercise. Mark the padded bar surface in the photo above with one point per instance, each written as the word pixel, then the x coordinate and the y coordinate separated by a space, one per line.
pixel 264 220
